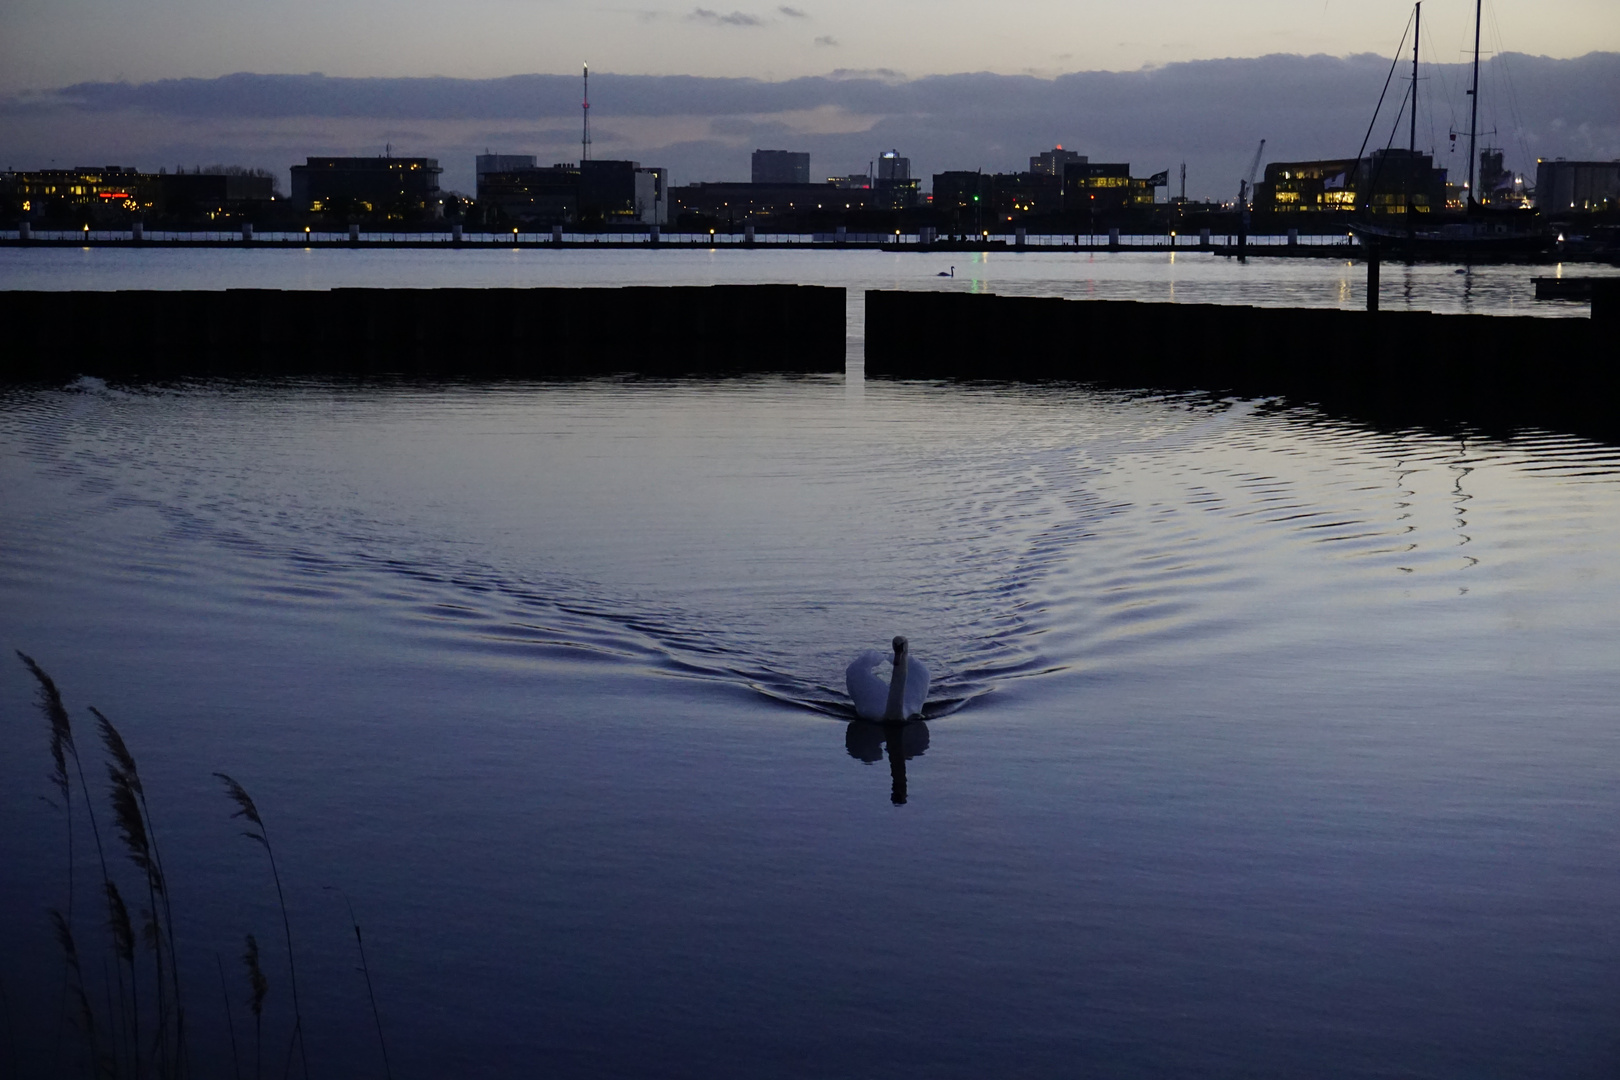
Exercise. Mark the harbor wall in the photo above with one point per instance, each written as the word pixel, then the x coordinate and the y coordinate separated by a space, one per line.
pixel 430 333
pixel 1400 367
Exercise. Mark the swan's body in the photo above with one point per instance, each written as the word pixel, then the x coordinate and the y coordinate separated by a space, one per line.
pixel 901 698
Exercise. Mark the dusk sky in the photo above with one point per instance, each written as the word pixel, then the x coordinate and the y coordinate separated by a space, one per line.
pixel 49 43
pixel 809 75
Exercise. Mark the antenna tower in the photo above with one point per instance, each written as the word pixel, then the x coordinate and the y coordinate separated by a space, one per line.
pixel 585 138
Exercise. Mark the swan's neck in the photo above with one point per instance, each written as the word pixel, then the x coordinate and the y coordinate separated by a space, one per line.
pixel 896 709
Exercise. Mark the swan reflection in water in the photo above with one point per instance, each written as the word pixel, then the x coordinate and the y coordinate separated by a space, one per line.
pixel 902 740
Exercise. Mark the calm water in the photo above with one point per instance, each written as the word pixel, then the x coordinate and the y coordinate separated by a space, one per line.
pixel 1188 277
pixel 1260 745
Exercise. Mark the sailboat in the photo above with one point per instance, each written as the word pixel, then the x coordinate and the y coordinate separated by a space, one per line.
pixel 1480 232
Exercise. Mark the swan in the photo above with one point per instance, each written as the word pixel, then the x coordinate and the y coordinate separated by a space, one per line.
pixel 951 274
pixel 900 699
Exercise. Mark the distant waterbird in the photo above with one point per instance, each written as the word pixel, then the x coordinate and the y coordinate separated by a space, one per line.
pixel 942 273
pixel 901 698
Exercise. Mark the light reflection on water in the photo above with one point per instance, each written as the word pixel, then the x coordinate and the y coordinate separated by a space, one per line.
pixel 1144 615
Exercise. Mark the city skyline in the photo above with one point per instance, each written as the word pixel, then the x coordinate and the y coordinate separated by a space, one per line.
pixel 1210 114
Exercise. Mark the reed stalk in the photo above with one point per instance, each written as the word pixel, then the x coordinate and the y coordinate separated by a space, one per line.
pixel 230 1021
pixel 250 813
pixel 258 986
pixel 123 932
pixel 50 703
pixel 134 818
pixel 365 969
pixel 99 1063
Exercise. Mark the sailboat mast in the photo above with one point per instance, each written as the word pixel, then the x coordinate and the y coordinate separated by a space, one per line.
pixel 1417 27
pixel 1473 120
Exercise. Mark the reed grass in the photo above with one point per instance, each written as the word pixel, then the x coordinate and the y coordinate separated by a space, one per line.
pixel 258 986
pixel 125 1038
pixel 230 1021
pixel 365 969
pixel 246 810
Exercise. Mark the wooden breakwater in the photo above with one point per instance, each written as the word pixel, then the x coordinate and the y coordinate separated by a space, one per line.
pixel 423 333
pixel 1389 367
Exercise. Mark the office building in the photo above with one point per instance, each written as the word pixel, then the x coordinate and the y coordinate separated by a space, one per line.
pixel 1053 162
pixel 896 187
pixel 390 188
pixel 527 195
pixel 1563 186
pixel 1100 188
pixel 1388 182
pixel 780 167
pixel 87 193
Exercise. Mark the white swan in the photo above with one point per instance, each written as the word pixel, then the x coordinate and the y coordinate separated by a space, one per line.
pixel 899 699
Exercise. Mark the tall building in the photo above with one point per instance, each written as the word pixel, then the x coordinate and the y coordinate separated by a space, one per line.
pixel 1052 162
pixel 896 187
pixel 1581 186
pixel 391 188
pixel 780 167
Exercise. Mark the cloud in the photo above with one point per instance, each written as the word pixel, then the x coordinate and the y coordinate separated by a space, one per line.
pixel 827 39
pixel 715 18
pixel 793 12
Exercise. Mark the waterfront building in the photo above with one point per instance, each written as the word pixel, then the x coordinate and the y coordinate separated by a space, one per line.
pixel 597 192
pixel 1093 188
pixel 780 167
pixel 87 193
pixel 527 195
pixel 390 188
pixel 1385 183
pixel 745 204
pixel 854 180
pixel 1563 186
pixel 1024 194
pixel 200 196
pixel 613 192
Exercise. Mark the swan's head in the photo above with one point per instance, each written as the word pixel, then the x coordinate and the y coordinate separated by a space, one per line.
pixel 899 646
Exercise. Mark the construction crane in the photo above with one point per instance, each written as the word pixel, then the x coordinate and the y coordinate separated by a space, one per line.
pixel 1246 185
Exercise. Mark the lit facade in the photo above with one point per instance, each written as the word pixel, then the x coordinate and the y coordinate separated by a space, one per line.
pixel 1564 187
pixel 1388 182
pixel 1103 188
pixel 86 193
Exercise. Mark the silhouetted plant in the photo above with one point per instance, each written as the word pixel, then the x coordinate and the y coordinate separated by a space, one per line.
pixel 100 1063
pixel 246 810
pixel 230 1021
pixel 258 986
pixel 123 933
pixel 63 747
pixel 134 826
pixel 365 969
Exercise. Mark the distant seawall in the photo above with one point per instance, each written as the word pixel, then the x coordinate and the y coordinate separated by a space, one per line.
pixel 427 333
pixel 1394 367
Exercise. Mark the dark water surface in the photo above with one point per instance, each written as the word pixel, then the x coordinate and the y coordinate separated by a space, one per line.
pixel 1263 745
